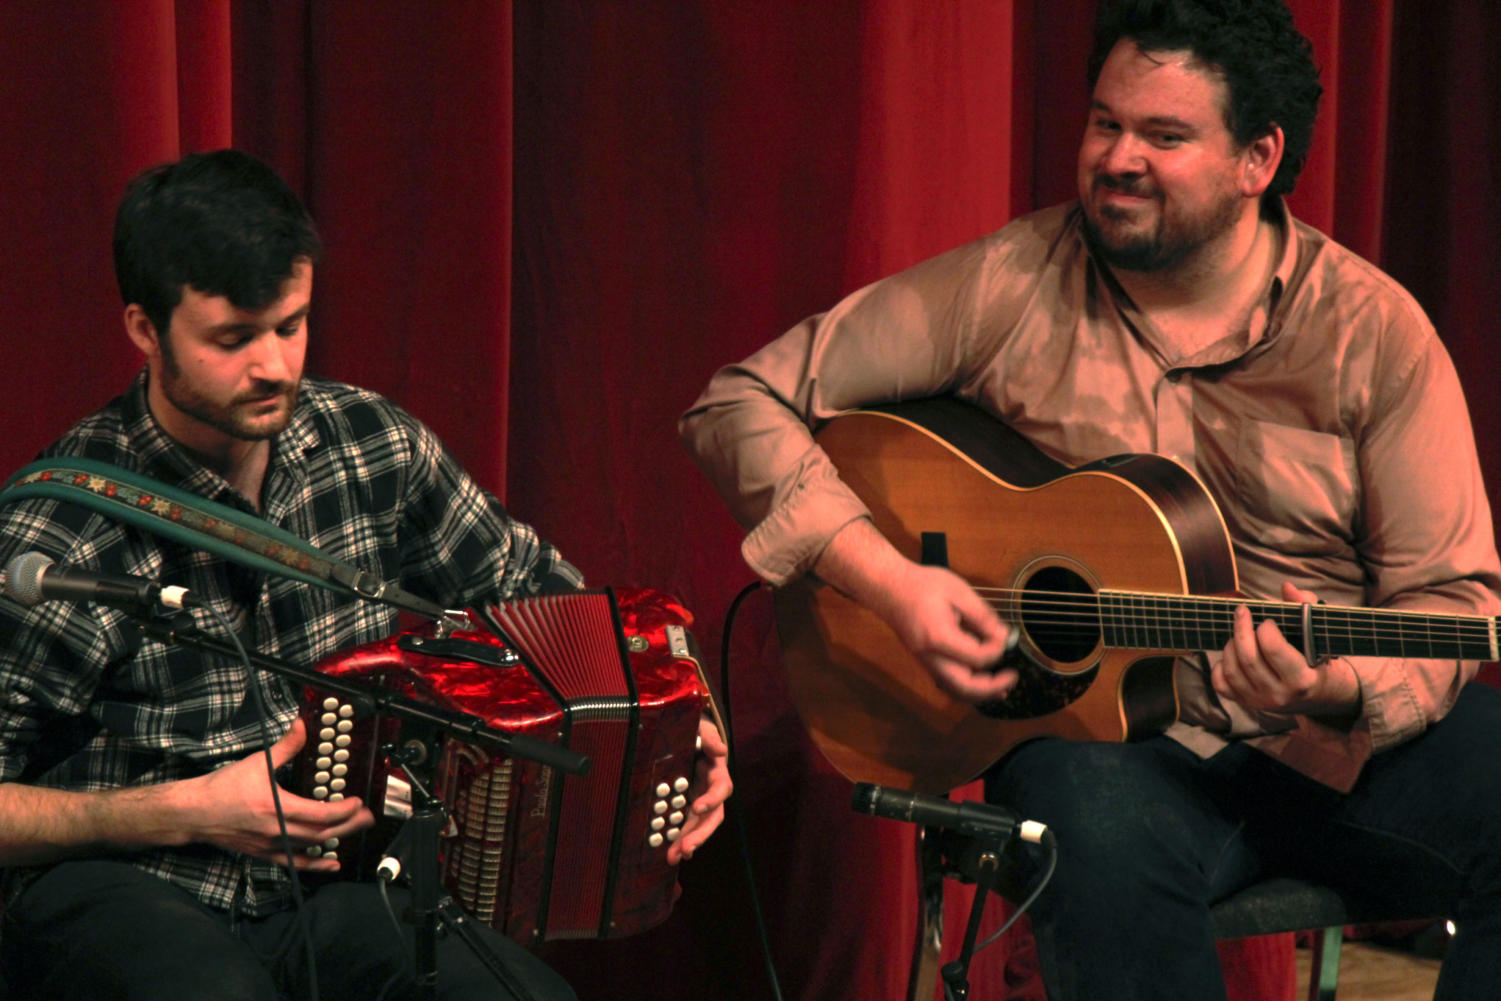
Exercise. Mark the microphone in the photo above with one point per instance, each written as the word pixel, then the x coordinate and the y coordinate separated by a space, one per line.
pixel 32 578
pixel 979 819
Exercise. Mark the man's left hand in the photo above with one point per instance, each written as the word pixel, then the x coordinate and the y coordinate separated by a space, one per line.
pixel 1261 670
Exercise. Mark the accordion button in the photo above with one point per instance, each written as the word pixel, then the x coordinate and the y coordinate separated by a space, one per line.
pixel 341 755
pixel 320 777
pixel 342 740
pixel 328 719
pixel 657 823
pixel 324 763
pixel 330 703
pixel 331 843
pixel 679 784
pixel 676 819
pixel 327 733
pixel 320 793
pixel 337 785
pixel 341 770
pixel 674 834
pixel 346 711
pixel 345 725
pixel 336 797
pixel 678 802
pixel 663 789
pixel 659 807
pixel 655 841
pixel 314 851
pixel 325 748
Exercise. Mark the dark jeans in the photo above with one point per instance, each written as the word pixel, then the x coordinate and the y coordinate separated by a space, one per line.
pixel 1149 836
pixel 107 930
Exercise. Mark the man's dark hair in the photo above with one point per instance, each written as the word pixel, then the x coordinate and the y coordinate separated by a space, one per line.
pixel 223 223
pixel 1266 63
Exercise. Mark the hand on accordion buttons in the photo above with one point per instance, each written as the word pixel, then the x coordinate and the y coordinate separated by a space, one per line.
pixel 711 787
pixel 232 808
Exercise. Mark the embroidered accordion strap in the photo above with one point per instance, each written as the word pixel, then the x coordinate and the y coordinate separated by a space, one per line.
pixel 186 518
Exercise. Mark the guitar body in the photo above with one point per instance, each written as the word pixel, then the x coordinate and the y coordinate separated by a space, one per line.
pixel 947 482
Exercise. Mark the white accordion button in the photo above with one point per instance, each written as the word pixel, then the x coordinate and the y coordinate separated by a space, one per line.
pixel 320 793
pixel 657 823
pixel 341 770
pixel 659 807
pixel 327 733
pixel 655 841
pixel 320 777
pixel 345 725
pixel 346 711
pixel 335 797
pixel 679 784
pixel 676 819
pixel 342 740
pixel 337 785
pixel 325 748
pixel 674 834
pixel 330 703
pixel 340 755
pixel 678 802
pixel 331 843
pixel 663 789
pixel 328 719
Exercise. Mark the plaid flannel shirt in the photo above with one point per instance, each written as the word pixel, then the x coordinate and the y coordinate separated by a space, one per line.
pixel 85 704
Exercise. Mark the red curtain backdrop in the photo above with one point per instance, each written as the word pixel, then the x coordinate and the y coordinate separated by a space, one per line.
pixel 547 223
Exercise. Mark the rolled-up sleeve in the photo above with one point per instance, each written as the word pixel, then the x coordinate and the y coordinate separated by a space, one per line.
pixel 751 431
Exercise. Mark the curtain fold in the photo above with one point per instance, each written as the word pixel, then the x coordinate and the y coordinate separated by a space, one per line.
pixel 547 226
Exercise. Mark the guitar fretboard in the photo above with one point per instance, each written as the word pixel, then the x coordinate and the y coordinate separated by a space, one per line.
pixel 1166 622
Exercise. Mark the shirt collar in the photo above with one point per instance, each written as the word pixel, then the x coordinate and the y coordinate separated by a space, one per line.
pixel 163 458
pixel 1274 210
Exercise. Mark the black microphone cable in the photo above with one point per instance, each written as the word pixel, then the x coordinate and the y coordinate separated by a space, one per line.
pixel 733 805
pixel 263 714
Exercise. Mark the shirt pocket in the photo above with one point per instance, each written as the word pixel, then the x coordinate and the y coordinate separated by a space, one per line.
pixel 1295 488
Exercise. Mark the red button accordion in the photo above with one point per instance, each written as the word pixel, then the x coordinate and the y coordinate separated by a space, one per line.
pixel 536 853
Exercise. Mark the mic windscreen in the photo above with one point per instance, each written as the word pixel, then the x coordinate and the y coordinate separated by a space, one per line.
pixel 23 578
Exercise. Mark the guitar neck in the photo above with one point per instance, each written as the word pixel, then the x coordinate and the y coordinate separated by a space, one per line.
pixel 1166 622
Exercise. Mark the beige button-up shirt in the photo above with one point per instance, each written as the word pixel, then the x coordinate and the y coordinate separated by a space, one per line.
pixel 1331 431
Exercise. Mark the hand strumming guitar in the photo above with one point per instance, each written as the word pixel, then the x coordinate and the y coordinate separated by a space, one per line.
pixel 938 616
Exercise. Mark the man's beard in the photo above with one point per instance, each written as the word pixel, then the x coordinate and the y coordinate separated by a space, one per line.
pixel 1172 241
pixel 228 418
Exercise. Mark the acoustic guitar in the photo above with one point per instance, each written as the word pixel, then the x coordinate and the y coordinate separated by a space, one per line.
pixel 1107 572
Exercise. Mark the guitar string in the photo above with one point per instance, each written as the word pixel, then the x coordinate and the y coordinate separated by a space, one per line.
pixel 1145 611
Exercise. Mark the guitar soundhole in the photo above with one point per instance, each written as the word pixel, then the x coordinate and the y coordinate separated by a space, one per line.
pixel 1060 615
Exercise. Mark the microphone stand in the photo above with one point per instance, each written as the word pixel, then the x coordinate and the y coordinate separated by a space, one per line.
pixel 372 698
pixel 431 907
pixel 988 867
pixel 423 829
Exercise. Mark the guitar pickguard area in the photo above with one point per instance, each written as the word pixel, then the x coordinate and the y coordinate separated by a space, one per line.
pixel 1039 691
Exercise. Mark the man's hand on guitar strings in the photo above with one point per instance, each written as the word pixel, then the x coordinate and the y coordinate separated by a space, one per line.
pixel 711 787
pixel 1261 670
pixel 954 633
pixel 937 615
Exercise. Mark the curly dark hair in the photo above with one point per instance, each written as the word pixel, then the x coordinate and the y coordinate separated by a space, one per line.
pixel 1266 62
pixel 222 223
